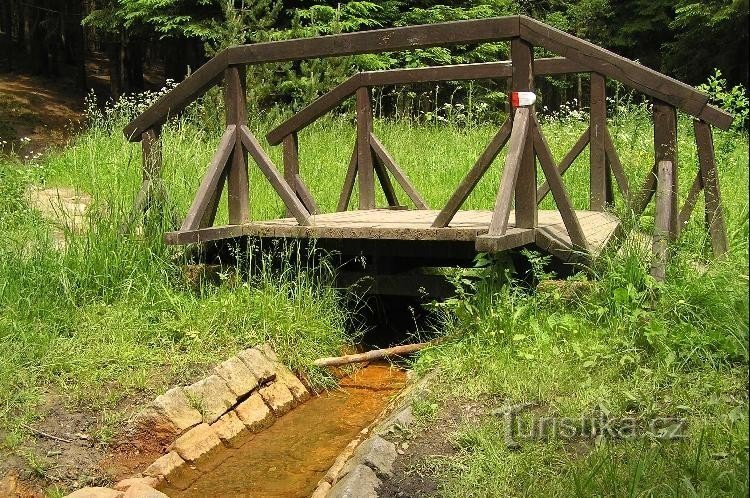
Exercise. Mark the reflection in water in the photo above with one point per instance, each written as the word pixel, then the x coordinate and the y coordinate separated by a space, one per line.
pixel 289 458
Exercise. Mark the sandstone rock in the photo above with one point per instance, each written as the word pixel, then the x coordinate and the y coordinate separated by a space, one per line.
pixel 278 397
pixel 196 444
pixel 361 482
pixel 169 415
pixel 213 396
pixel 295 386
pixel 174 469
pixel 322 490
pixel 231 430
pixel 259 365
pixel 237 375
pixel 143 491
pixel 376 453
pixel 268 351
pixel 254 413
pixel 95 493
pixel 127 483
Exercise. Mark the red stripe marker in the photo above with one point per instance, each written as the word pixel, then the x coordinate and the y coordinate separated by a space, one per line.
pixel 522 99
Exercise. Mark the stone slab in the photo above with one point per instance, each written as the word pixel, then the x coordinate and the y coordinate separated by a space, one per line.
pixel 278 397
pixel 196 444
pixel 231 430
pixel 254 413
pixel 361 482
pixel 95 492
pixel 213 397
pixel 259 365
pixel 174 469
pixel 169 415
pixel 126 483
pixel 143 491
pixel 237 375
pixel 376 453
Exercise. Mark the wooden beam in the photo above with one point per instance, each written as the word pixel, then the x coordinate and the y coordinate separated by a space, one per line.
pixel 559 192
pixel 616 166
pixel 665 149
pixel 364 153
pixel 516 149
pixel 710 179
pixel 282 188
pixel 348 187
pixel 597 156
pixel 633 74
pixel 209 189
pixel 662 220
pixel 692 198
pixel 472 178
pixel 235 102
pixel 522 55
pixel 303 193
pixel 379 40
pixel 290 155
pixel 397 172
pixel 385 181
pixel 566 162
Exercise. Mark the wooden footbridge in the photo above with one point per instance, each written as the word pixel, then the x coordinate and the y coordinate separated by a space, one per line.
pixel 430 230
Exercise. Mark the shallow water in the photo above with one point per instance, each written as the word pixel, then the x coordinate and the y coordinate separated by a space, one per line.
pixel 289 458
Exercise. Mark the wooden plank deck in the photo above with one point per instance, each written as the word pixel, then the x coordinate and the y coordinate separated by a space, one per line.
pixel 415 225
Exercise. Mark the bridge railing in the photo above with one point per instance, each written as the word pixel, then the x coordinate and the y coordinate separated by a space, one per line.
pixel 230 163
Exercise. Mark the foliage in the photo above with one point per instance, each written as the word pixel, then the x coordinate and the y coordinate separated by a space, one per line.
pixel 733 100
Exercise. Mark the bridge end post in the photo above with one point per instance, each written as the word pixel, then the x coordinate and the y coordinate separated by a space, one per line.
pixel 600 183
pixel 522 58
pixel 238 186
pixel 365 166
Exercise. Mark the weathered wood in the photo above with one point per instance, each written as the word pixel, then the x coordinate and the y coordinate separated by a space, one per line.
pixel 615 166
pixel 375 354
pixel 378 40
pixel 385 181
pixel 282 188
pixel 559 192
pixel 235 102
pixel 173 102
pixel 631 73
pixel 397 172
pixel 597 156
pixel 662 220
pixel 646 193
pixel 364 153
pixel 522 55
pixel 303 193
pixel 512 238
pixel 692 198
pixel 151 147
pixel 351 176
pixel 292 176
pixel 710 179
pixel 665 149
pixel 472 178
pixel 566 162
pixel 516 150
pixel 209 190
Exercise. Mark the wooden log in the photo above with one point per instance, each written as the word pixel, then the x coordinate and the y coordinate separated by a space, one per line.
pixel 522 55
pixel 516 150
pixel 646 193
pixel 665 149
pixel 292 176
pixel 351 176
pixel 282 188
pixel 692 198
pixel 710 179
pixel 597 156
pixel 662 220
pixel 364 152
pixel 403 180
pixel 559 192
pixel 375 354
pixel 566 162
pixel 385 181
pixel 235 101
pixel 472 178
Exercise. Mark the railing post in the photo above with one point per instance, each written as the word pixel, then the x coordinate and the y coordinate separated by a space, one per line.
pixel 365 168
pixel 291 162
pixel 235 101
pixel 522 58
pixel 665 149
pixel 600 186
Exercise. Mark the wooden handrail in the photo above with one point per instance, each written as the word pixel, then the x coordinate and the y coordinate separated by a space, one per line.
pixel 648 81
pixel 456 72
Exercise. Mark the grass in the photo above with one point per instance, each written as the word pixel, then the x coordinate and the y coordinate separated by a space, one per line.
pixel 110 317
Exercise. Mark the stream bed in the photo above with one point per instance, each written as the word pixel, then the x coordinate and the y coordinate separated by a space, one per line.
pixel 289 458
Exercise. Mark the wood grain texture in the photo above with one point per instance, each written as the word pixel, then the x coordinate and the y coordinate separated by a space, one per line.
pixel 516 150
pixel 472 178
pixel 615 166
pixel 206 199
pixel 691 199
pixel 403 180
pixel 235 105
pixel 566 162
pixel 665 149
pixel 365 171
pixel 282 188
pixel 662 219
pixel 559 192
pixel 522 55
pixel 351 177
pixel 597 156
pixel 710 179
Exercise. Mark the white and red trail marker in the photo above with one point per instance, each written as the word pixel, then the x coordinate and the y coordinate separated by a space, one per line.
pixel 522 99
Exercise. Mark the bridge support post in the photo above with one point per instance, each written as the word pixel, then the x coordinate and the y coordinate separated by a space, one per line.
pixel 665 149
pixel 365 167
pixel 600 189
pixel 238 187
pixel 522 58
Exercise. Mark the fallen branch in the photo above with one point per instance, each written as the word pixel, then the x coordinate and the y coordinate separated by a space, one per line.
pixel 44 434
pixel 375 354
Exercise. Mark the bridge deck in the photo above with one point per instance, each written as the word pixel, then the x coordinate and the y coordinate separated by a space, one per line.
pixel 415 225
